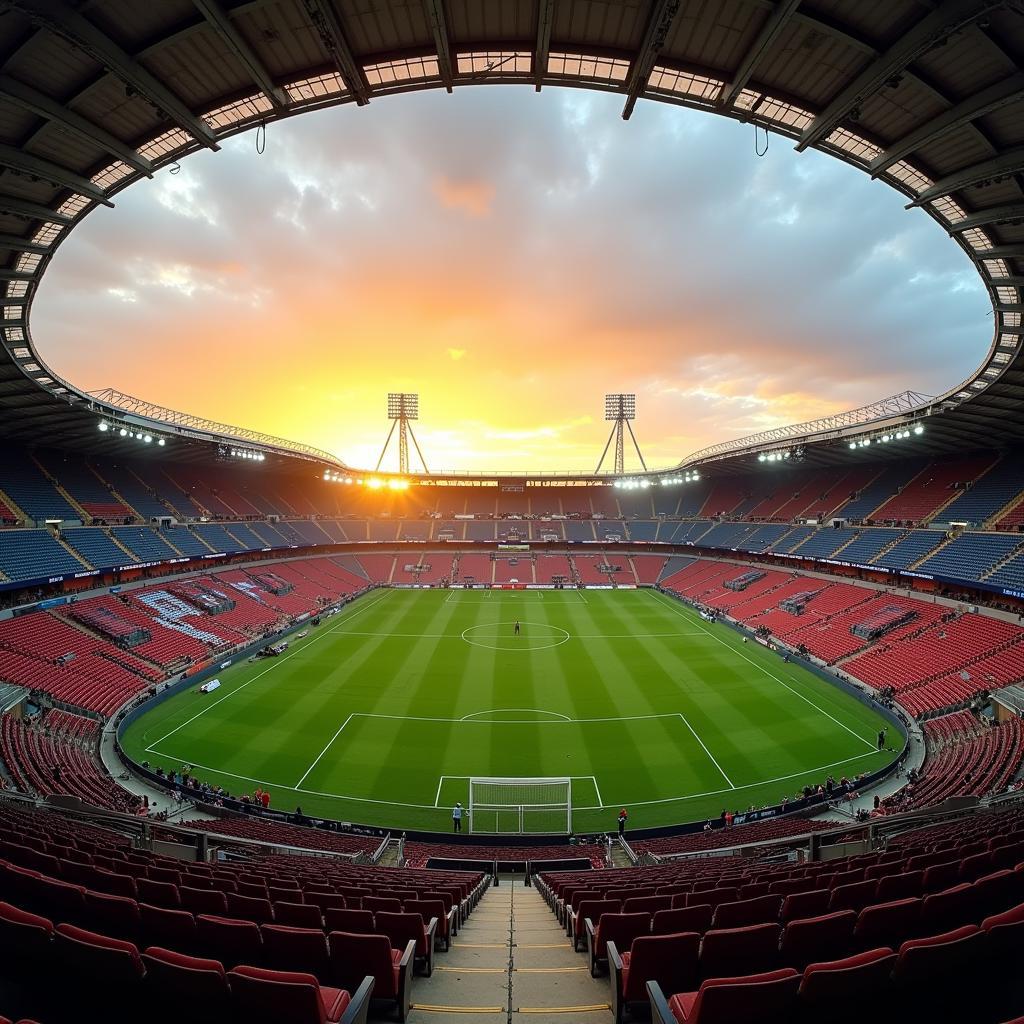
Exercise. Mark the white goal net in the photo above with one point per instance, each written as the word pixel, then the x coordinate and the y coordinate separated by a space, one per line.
pixel 518 806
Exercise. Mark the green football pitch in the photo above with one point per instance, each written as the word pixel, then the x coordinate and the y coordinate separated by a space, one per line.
pixel 383 713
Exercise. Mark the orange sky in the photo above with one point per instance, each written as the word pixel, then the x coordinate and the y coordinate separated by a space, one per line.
pixel 511 258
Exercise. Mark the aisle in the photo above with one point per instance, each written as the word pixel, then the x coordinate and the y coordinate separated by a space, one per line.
pixel 512 961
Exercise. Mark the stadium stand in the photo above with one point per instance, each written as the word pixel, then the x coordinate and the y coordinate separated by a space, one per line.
pixel 87 490
pixel 933 488
pixel 34 555
pixel 971 556
pixel 881 488
pixel 910 549
pixel 96 547
pixel 26 484
pixel 148 545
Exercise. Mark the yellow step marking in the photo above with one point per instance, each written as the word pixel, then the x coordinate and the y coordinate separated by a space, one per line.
pixel 564 1009
pixel 474 970
pixel 549 970
pixel 481 945
pixel 543 945
pixel 457 1009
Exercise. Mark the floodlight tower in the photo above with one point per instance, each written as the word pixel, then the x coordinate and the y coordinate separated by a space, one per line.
pixel 403 408
pixel 619 410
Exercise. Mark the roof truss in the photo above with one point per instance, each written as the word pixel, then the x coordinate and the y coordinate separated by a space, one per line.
pixel 58 17
pixel 1009 90
pixel 775 23
pixel 948 17
pixel 663 13
pixel 334 41
pixel 28 98
pixel 25 163
pixel 438 19
pixel 1002 166
pixel 222 24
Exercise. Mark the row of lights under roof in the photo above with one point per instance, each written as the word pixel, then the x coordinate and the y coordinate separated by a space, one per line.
pixel 899 435
pixel 774 456
pixel 137 435
pixel 665 481
pixel 247 453
pixel 375 483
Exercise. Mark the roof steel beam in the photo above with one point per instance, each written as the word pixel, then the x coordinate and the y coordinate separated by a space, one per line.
pixel 32 100
pixel 222 24
pixel 775 23
pixel 442 40
pixel 1009 90
pixel 25 163
pixel 16 275
pixel 32 211
pixel 1001 252
pixel 333 39
pixel 1002 166
pixel 61 19
pixel 993 215
pixel 545 16
pixel 23 245
pixel 663 13
pixel 936 27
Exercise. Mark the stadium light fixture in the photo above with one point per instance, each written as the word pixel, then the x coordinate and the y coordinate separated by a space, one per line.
pixel 919 429
pixel 104 425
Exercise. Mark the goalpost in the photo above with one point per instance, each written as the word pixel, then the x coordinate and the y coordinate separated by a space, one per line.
pixel 520 806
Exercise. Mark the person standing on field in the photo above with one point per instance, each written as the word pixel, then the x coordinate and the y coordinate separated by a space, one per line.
pixel 623 816
pixel 457 818
pixel 517 627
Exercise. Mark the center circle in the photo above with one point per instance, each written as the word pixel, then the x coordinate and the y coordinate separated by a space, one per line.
pixel 501 636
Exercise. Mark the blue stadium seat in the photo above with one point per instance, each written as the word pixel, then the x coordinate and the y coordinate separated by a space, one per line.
pixel 995 489
pixel 910 549
pixel 869 543
pixel 33 554
pixel 825 542
pixel 28 488
pixel 93 544
pixel 971 555
pixel 145 542
pixel 184 540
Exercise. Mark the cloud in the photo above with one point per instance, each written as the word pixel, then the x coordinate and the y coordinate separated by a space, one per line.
pixel 471 197
pixel 569 253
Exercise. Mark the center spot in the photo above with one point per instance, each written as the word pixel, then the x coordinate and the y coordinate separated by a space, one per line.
pixel 501 636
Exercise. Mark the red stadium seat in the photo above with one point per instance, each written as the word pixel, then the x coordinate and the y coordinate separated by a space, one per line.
pixel 670 960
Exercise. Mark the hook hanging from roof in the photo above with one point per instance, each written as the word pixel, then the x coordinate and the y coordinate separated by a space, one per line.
pixel 757 149
pixel 261 137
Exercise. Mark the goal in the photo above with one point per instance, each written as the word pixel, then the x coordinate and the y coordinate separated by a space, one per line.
pixel 520 806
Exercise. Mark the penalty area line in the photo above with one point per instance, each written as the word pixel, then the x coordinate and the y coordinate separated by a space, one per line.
pixel 330 742
pixel 703 747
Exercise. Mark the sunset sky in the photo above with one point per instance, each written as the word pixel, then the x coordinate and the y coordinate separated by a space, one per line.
pixel 511 257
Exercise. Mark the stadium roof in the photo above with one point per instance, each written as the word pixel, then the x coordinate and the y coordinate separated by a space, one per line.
pixel 927 95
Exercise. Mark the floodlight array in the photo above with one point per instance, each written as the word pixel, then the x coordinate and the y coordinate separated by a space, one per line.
pixel 897 435
pixel 130 433
pixel 775 456
pixel 632 484
pixel 374 483
pixel 246 453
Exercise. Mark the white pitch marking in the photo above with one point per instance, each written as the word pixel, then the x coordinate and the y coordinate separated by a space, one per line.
pixel 597 790
pixel 324 751
pixel 632 803
pixel 771 675
pixel 259 675
pixel 498 711
pixel 686 722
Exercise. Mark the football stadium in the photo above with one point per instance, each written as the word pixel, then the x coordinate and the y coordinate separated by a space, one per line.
pixel 734 733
